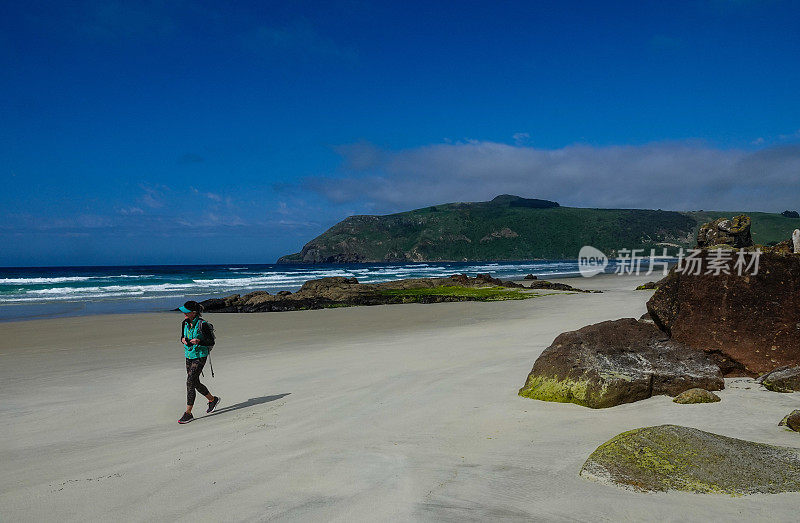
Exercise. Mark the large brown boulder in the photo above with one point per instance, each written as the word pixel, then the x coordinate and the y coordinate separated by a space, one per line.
pixel 617 362
pixel 750 323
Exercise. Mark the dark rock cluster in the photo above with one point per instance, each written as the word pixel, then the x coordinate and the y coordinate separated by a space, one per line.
pixel 700 326
pixel 341 291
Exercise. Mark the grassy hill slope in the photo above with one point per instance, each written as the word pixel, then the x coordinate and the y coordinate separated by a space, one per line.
pixel 513 228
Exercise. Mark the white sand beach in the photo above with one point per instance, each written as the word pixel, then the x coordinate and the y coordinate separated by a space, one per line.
pixel 386 413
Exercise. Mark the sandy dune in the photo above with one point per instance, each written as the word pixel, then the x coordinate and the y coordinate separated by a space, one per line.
pixel 403 412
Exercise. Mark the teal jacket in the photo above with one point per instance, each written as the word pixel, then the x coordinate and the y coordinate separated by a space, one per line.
pixel 191 330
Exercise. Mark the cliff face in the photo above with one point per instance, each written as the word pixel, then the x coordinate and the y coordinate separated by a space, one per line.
pixel 506 228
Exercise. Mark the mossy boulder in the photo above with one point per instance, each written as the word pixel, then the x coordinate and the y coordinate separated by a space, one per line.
pixel 696 396
pixel 791 421
pixel 782 379
pixel 617 362
pixel 671 457
pixel 725 233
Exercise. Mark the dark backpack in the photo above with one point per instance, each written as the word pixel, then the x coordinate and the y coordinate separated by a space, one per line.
pixel 213 338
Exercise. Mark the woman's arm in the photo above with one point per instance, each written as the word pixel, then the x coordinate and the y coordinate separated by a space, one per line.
pixel 183 340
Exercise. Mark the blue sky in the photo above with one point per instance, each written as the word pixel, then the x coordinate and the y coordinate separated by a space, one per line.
pixel 202 132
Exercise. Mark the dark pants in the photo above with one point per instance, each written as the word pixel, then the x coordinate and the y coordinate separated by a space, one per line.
pixel 193 369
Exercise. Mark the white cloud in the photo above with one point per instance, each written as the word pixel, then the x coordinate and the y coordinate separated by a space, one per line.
pixel 672 175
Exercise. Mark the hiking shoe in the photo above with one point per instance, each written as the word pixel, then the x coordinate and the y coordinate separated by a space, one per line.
pixel 186 418
pixel 213 404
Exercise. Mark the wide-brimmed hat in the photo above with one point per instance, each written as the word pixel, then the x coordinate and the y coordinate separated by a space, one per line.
pixel 191 306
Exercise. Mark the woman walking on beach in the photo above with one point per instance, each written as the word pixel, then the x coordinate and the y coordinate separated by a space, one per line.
pixel 197 338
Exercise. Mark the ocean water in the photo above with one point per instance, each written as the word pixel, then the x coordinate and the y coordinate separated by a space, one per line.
pixel 27 293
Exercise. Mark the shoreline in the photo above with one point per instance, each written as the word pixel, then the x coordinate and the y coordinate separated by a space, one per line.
pixel 14 312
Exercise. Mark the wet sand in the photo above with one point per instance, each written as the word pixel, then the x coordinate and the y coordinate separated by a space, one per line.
pixel 400 412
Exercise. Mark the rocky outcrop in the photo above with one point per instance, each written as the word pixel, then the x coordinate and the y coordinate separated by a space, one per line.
pixel 617 362
pixel 556 286
pixel 790 214
pixel 530 277
pixel 782 379
pixel 341 291
pixel 725 232
pixel 750 323
pixel 791 421
pixel 670 457
pixel 480 279
pixel 696 396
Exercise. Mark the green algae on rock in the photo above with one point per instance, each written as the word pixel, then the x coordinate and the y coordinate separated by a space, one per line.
pixel 560 391
pixel 671 457
pixel 696 396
